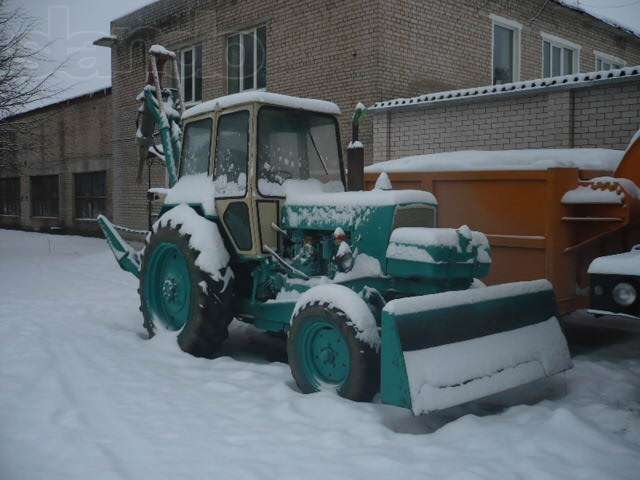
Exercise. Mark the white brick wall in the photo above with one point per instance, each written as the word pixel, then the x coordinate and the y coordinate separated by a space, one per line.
pixel 604 116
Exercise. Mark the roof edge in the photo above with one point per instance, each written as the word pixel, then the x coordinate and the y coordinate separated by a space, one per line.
pixel 600 18
pixel 105 91
pixel 135 11
pixel 578 80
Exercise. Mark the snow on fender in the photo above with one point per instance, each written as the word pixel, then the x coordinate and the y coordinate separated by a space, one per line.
pixel 345 299
pixel 204 237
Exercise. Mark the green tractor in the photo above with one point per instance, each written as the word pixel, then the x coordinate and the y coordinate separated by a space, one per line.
pixel 259 225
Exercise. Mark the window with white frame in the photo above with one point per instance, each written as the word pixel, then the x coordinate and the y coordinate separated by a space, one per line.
pixel 190 66
pixel 506 50
pixel 559 56
pixel 247 60
pixel 608 62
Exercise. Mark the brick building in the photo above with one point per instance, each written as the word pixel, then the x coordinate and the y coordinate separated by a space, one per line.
pixel 55 166
pixel 343 51
pixel 346 51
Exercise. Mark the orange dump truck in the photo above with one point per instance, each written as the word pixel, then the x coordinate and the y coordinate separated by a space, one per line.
pixel 547 213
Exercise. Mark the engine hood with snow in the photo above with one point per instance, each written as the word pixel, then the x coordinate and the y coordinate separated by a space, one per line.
pixel 367 217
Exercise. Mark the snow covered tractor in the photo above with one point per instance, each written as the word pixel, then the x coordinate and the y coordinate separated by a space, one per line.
pixel 372 297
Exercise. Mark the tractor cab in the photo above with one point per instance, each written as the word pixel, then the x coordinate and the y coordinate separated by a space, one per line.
pixel 255 145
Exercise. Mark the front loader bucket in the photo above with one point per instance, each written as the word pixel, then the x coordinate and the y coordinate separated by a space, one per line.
pixel 449 348
pixel 127 257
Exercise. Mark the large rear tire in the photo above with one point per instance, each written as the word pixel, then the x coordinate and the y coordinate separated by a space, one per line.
pixel 325 354
pixel 177 294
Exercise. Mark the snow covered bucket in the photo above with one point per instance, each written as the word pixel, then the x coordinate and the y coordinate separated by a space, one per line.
pixel 449 348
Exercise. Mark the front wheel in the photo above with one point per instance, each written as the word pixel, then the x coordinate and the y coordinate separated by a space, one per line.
pixel 179 295
pixel 325 353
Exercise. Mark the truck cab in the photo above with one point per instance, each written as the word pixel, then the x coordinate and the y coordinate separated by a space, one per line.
pixel 251 144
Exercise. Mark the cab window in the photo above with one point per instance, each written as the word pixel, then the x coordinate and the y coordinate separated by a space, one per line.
pixel 232 154
pixel 196 148
pixel 296 145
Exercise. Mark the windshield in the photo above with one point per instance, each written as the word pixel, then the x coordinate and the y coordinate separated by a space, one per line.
pixel 297 145
pixel 196 148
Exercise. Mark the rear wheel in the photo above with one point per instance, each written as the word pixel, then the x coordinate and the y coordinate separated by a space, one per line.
pixel 325 354
pixel 177 294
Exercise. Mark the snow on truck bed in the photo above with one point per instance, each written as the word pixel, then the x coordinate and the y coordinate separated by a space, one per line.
pixel 83 395
pixel 475 160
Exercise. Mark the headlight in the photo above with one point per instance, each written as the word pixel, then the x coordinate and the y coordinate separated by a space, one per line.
pixel 624 294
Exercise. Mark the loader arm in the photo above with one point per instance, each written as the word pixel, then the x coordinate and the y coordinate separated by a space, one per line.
pixel 170 140
pixel 155 113
pixel 127 257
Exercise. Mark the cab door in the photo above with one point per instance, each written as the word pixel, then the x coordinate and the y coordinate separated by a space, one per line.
pixel 231 172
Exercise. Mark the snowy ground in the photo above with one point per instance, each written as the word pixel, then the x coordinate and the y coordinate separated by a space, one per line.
pixel 84 395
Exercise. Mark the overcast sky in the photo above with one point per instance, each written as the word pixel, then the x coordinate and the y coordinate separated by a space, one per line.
pixel 72 25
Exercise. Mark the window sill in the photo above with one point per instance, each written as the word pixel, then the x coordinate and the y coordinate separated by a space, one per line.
pixel 36 217
pixel 6 215
pixel 92 220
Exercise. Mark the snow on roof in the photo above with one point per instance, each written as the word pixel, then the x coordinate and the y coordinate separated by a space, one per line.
pixel 219 103
pixel 535 159
pixel 592 12
pixel 136 8
pixel 60 98
pixel 567 81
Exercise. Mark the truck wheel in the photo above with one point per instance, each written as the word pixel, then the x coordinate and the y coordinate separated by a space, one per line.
pixel 176 293
pixel 325 354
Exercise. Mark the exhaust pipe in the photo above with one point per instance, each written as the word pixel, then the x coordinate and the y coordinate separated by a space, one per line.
pixel 355 152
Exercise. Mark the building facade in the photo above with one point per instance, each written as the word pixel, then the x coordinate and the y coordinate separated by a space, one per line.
pixel 55 165
pixel 343 51
pixel 346 52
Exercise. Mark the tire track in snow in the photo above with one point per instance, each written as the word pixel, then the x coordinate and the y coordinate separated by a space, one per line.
pixel 89 407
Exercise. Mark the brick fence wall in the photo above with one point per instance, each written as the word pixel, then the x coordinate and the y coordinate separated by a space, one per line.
pixel 593 116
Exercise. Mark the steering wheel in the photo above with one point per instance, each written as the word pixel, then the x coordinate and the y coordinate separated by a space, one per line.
pixel 278 176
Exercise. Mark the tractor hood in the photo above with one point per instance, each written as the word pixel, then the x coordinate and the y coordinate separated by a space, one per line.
pixel 327 211
pixel 367 217
pixel 373 198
